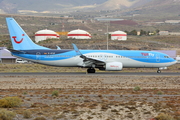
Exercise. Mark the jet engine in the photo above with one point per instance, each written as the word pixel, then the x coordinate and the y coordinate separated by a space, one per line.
pixel 114 66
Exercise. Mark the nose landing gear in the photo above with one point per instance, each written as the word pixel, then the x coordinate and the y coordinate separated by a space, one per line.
pixel 158 71
pixel 161 68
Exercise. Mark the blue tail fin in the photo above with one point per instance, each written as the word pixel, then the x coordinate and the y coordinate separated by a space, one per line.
pixel 20 40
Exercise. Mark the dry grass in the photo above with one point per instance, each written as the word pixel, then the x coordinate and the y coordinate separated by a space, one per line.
pixel 36 68
pixel 98 104
pixel 27 114
pixel 6 115
pixel 10 102
pixel 164 116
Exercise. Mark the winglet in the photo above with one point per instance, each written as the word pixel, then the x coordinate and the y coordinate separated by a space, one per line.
pixel 76 50
pixel 58 48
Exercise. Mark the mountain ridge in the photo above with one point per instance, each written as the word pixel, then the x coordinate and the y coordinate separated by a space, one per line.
pixel 155 7
pixel 10 6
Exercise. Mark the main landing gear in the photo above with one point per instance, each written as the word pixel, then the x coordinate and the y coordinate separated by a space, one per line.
pixel 91 70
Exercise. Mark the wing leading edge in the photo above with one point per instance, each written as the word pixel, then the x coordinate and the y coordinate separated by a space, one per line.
pixel 86 60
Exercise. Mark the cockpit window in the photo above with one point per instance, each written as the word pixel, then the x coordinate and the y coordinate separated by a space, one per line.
pixel 166 56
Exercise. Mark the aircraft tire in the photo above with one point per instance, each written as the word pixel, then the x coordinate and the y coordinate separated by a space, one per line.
pixel 158 71
pixel 91 70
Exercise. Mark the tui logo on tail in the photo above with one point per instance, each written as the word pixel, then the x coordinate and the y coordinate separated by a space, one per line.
pixel 18 42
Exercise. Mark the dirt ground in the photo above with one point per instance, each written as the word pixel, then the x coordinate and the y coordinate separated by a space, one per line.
pixel 83 97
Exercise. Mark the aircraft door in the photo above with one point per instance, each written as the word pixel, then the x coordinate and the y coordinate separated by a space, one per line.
pixel 157 58
pixel 38 56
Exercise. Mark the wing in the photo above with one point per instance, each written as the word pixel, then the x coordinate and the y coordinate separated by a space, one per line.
pixel 87 62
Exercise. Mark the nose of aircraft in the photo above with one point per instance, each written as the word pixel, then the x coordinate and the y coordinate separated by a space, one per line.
pixel 173 61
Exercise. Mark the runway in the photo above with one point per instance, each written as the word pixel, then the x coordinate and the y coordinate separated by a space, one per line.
pixel 80 80
pixel 92 74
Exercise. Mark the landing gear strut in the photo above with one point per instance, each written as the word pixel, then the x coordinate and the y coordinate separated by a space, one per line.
pixel 91 70
pixel 158 71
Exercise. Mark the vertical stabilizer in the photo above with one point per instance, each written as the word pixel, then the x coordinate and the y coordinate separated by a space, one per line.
pixel 20 40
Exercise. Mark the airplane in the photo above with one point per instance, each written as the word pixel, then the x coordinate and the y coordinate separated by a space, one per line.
pixel 107 60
